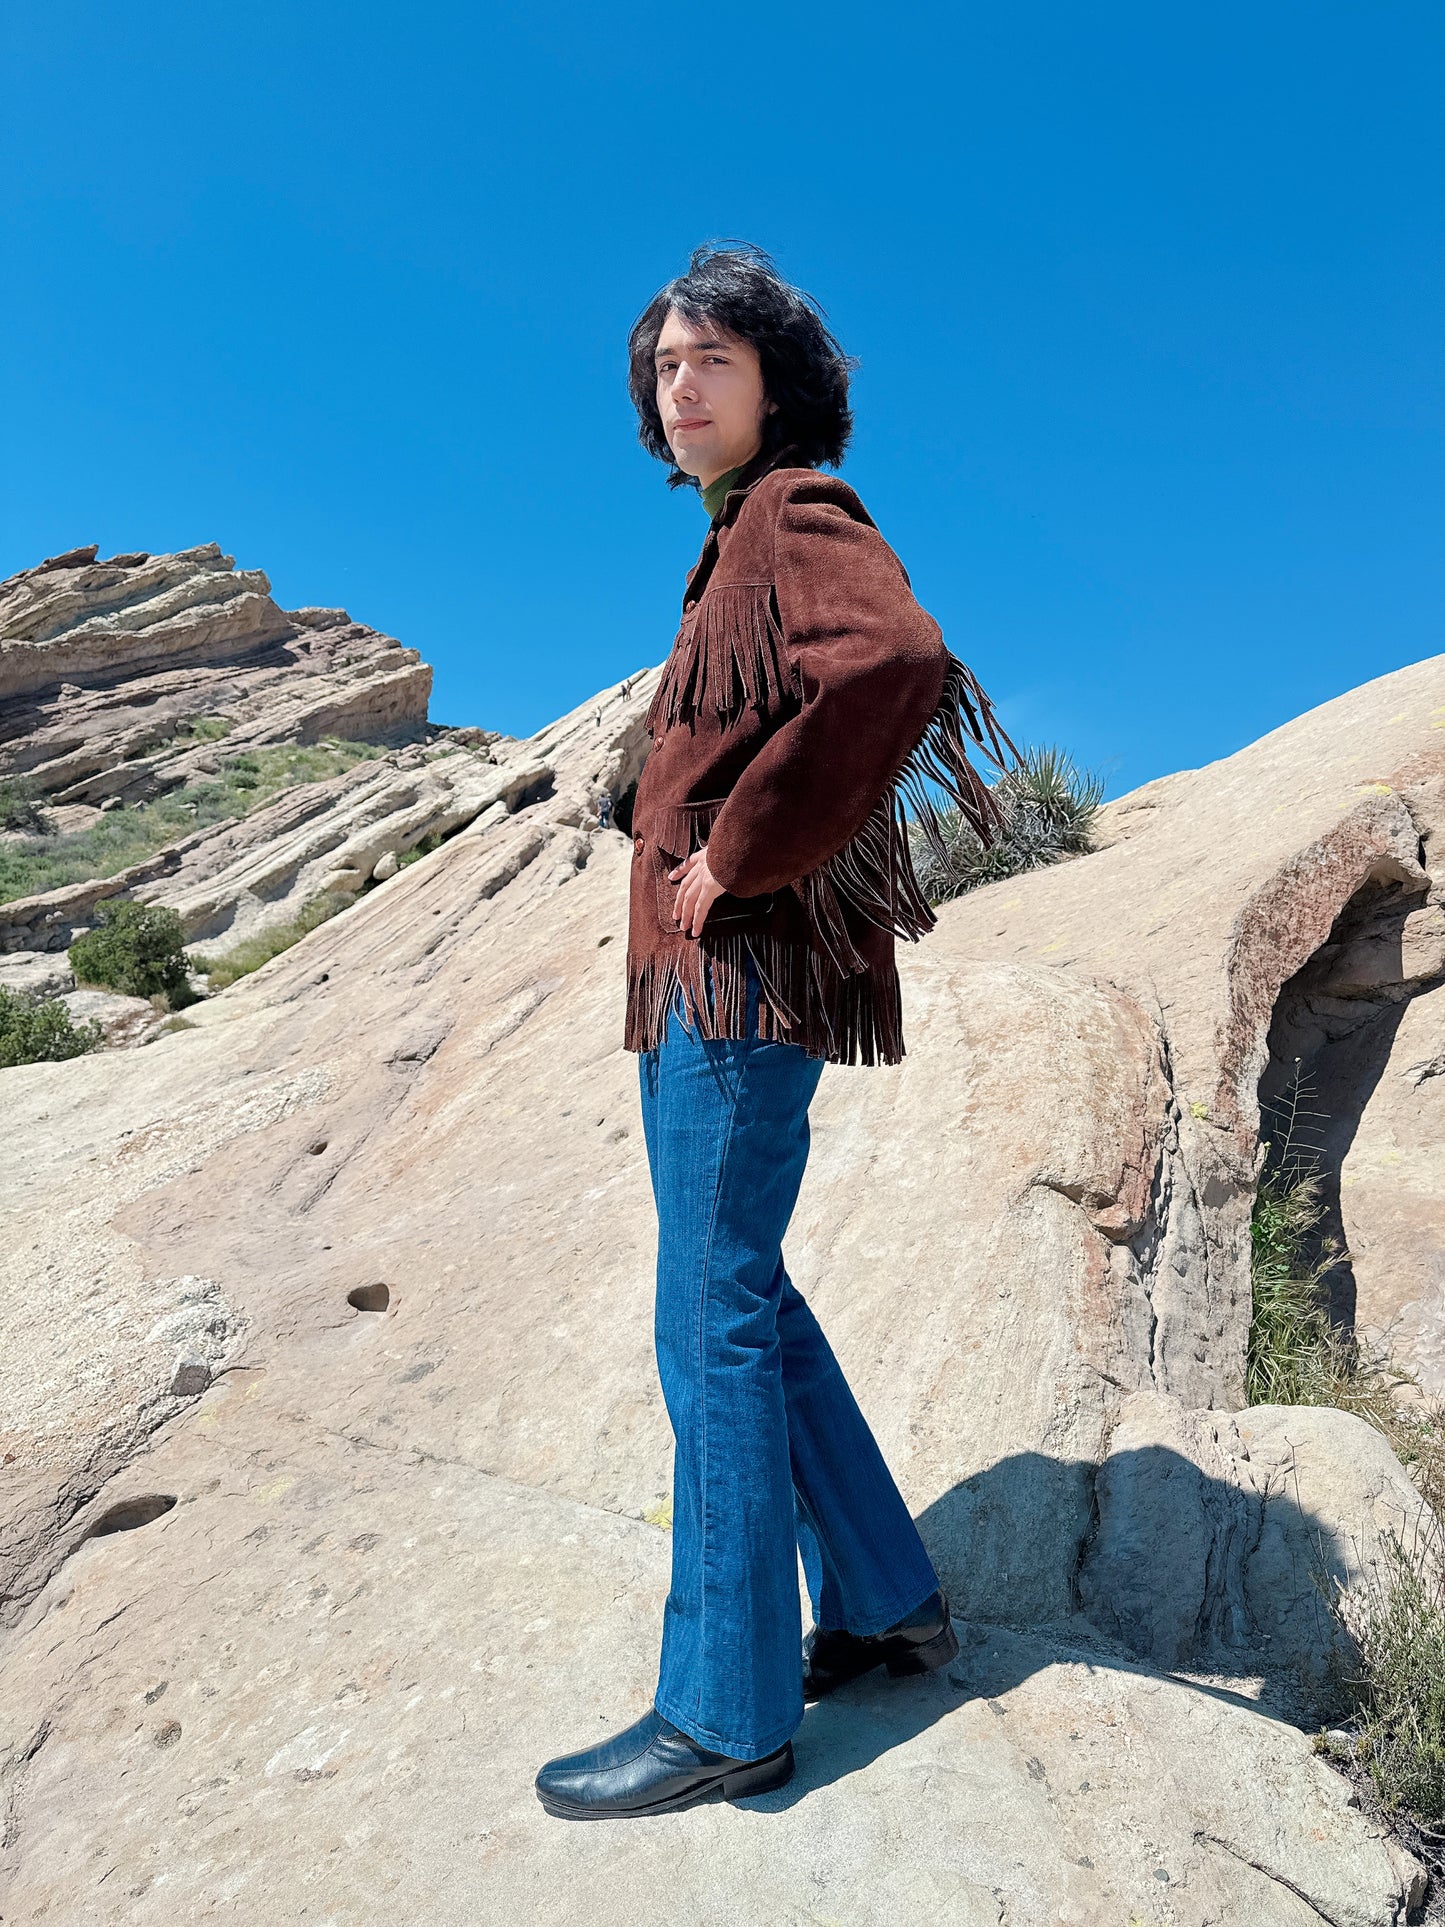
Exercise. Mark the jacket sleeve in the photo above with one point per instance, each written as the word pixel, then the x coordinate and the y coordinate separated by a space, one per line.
pixel 870 664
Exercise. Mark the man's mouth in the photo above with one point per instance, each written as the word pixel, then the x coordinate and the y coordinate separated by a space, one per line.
pixel 692 421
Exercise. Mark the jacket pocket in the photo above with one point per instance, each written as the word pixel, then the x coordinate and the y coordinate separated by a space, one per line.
pixel 677 830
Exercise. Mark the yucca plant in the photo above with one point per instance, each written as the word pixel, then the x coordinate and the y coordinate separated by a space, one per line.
pixel 1048 806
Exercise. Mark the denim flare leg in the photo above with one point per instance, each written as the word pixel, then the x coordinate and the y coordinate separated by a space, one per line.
pixel 772 1456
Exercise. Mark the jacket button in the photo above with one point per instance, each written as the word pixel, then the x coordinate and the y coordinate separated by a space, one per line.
pixel 637 842
pixel 690 604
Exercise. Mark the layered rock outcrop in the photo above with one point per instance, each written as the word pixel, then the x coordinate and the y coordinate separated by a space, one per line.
pixel 401 1547
pixel 100 660
pixel 106 669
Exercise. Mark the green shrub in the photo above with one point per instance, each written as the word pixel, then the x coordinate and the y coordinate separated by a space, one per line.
pixel 125 836
pixel 433 840
pixel 206 729
pixel 252 952
pixel 136 950
pixel 1048 806
pixel 20 804
pixel 1395 1617
pixel 40 1030
pixel 1297 1355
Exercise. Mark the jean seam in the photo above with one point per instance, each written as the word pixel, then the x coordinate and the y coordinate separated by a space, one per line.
pixel 719 1742
pixel 702 1381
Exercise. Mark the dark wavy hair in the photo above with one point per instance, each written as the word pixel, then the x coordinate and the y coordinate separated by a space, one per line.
pixel 736 287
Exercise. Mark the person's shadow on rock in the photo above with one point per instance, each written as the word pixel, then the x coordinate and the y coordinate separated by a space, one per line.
pixel 1184 1572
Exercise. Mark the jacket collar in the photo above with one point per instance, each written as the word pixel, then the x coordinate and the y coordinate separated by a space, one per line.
pixel 751 473
pixel 749 476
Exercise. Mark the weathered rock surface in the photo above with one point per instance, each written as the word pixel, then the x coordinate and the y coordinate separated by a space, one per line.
pixel 1216 892
pixel 321 1683
pixel 124 1020
pixel 1392 1177
pixel 1211 1526
pixel 102 666
pixel 406 1160
pixel 236 879
pixel 100 661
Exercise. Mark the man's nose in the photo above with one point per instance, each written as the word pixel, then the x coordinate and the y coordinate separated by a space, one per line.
pixel 684 382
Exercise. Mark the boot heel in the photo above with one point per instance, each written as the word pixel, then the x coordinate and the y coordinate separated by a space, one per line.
pixel 925 1659
pixel 760 1776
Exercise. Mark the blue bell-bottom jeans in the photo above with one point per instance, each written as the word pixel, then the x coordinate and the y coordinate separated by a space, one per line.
pixel 772 1456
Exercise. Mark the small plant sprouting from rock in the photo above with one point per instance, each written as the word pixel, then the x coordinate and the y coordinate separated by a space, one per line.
pixel 252 952
pixel 135 949
pixel 1048 807
pixel 21 805
pixel 1394 1620
pixel 1297 1355
pixel 433 840
pixel 1395 1617
pixel 40 1030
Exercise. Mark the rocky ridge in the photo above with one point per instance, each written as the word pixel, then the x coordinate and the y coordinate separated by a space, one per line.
pixel 105 668
pixel 318 1614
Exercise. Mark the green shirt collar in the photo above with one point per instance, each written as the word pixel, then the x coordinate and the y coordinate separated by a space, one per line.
pixel 713 494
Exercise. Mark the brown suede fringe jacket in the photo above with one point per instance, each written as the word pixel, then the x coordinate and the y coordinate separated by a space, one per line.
pixel 807 701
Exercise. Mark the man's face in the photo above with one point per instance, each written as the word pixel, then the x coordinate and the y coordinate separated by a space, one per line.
pixel 710 397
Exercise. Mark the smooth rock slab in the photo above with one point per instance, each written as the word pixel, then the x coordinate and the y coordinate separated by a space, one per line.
pixel 318 1687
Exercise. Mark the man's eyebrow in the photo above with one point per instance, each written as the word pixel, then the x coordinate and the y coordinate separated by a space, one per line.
pixel 667 347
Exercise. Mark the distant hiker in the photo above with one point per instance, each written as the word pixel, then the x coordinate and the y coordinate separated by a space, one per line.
pixel 807 698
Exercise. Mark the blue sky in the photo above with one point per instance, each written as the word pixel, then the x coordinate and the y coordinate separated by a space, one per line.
pixel 1148 303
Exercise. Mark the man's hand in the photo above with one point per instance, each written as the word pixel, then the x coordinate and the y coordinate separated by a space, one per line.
pixel 697 892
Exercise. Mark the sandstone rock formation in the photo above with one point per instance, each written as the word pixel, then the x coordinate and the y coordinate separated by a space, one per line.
pixel 99 661
pixel 103 668
pixel 294 1643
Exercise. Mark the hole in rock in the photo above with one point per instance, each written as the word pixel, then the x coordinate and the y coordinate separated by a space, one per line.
pixel 538 792
pixel 127 1514
pixel 369 1297
pixel 622 809
pixel 317 1148
pixel 1329 1043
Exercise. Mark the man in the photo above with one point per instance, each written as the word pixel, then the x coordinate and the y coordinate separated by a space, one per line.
pixel 807 702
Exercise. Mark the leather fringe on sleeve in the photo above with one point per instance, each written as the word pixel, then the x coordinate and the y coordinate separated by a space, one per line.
pixel 874 871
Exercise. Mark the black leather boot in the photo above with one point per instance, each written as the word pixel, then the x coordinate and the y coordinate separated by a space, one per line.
pixel 652 1768
pixel 917 1644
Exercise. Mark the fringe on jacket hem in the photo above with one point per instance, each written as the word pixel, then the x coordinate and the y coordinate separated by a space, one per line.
pixel 806 999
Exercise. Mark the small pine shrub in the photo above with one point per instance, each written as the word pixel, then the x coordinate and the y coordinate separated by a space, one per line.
pixel 136 950
pixel 1048 806
pixel 40 1030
